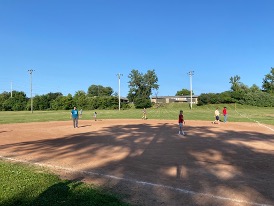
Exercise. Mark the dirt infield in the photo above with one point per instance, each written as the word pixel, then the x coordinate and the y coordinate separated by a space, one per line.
pixel 149 163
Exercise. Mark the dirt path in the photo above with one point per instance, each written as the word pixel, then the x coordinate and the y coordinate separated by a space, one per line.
pixel 148 162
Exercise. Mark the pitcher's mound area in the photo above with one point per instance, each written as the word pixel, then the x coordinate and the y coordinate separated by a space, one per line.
pixel 149 163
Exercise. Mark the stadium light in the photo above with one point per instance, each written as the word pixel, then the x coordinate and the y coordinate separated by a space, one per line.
pixel 190 73
pixel 119 76
pixel 31 99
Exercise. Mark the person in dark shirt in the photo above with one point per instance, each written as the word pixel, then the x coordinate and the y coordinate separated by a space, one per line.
pixel 181 121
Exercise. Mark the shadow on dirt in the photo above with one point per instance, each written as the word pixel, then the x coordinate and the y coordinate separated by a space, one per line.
pixel 158 166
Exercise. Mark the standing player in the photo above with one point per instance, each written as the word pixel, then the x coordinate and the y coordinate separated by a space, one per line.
pixel 217 116
pixel 144 114
pixel 225 114
pixel 95 116
pixel 181 122
pixel 81 112
pixel 75 116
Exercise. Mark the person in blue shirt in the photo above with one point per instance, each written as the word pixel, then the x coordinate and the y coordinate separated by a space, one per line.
pixel 75 117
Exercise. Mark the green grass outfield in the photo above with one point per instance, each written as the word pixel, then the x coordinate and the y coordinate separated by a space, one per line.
pixel 236 113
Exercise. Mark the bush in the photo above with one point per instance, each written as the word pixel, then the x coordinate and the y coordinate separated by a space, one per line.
pixel 259 98
pixel 142 103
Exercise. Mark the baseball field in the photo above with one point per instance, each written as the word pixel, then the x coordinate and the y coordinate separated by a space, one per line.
pixel 147 160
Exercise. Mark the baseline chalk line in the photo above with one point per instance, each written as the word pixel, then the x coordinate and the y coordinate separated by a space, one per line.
pixel 189 192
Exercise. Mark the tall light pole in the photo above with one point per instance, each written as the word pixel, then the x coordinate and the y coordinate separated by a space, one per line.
pixel 11 89
pixel 31 99
pixel 190 73
pixel 119 76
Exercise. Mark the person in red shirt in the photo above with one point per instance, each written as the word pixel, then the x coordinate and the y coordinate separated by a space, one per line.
pixel 225 114
pixel 181 122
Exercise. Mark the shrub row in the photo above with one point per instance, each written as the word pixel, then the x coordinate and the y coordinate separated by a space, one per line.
pixel 256 98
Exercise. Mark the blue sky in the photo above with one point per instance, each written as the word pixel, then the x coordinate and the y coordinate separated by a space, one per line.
pixel 74 44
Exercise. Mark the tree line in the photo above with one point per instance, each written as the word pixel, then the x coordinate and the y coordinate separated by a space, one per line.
pixel 242 94
pixel 97 96
pixel 141 87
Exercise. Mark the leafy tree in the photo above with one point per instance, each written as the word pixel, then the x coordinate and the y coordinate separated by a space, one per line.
pixel 17 102
pixel 215 98
pixel 225 97
pixel 141 85
pixel 41 102
pixel 92 103
pixel 62 103
pixel 259 98
pixel 135 84
pixel 3 97
pixel 238 89
pixel 237 96
pixel 99 90
pixel 8 104
pixel 80 99
pixel 52 96
pixel 254 88
pixel 235 83
pixel 108 102
pixel 93 90
pixel 268 82
pixel 183 92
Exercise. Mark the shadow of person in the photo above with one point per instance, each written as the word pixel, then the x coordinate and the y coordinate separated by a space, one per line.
pixel 88 125
pixel 5 131
pixel 57 194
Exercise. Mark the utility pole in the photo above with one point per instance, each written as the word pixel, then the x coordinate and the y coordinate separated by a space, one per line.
pixel 31 99
pixel 11 89
pixel 119 76
pixel 190 73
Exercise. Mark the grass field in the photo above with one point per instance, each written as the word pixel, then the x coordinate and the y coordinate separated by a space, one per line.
pixel 25 185
pixel 236 113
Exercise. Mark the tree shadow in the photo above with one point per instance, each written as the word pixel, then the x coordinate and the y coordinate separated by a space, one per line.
pixel 203 168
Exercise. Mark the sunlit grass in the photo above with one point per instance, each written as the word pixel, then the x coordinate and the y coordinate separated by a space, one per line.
pixel 236 113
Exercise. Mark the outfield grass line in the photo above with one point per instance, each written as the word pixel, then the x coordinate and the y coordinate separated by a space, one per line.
pixel 138 182
pixel 260 124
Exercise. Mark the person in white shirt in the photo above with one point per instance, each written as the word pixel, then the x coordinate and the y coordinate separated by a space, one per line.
pixel 217 116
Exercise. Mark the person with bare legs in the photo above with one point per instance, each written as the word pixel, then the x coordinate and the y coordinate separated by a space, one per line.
pixel 217 116
pixel 181 121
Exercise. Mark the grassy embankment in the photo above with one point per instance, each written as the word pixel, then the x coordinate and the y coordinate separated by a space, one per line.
pixel 236 113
